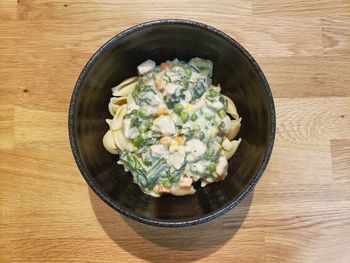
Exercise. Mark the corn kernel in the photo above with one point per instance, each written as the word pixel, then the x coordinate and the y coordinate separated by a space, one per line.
pixel 162 111
pixel 188 107
pixel 179 139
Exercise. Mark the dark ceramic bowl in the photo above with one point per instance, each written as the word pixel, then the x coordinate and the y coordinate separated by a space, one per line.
pixel 240 78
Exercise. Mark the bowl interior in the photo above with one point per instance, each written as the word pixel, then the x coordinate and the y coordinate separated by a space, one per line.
pixel 118 60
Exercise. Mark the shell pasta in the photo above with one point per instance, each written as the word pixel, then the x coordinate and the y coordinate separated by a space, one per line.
pixel 171 127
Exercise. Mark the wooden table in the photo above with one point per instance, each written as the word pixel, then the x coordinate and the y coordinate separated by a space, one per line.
pixel 300 210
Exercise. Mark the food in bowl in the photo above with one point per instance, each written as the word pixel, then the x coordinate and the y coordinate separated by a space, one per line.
pixel 241 79
pixel 172 127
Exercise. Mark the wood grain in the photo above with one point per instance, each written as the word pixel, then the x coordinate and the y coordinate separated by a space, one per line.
pixel 301 8
pixel 6 126
pixel 36 9
pixel 313 119
pixel 336 35
pixel 292 77
pixel 299 211
pixel 341 160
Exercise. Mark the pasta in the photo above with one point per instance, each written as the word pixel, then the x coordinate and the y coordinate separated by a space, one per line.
pixel 171 127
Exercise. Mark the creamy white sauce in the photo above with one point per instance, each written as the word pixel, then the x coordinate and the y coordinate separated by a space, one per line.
pixel 196 149
pixel 165 125
pixel 174 124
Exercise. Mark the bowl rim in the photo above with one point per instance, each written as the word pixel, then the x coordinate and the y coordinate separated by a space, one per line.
pixel 88 177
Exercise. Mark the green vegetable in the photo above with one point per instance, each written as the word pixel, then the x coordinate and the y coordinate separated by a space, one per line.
pixel 175 174
pixel 213 93
pixel 136 90
pixel 223 101
pixel 188 72
pixel 147 162
pixel 154 173
pixel 135 122
pixel 133 164
pixel 172 100
pixel 194 117
pixel 188 134
pixel 212 167
pixel 142 113
pixel 210 152
pixel 176 179
pixel 178 108
pixel 201 68
pixel 178 125
pixel 146 126
pixel 207 117
pixel 210 98
pixel 196 127
pixel 222 114
pixel 198 91
pixel 151 141
pixel 166 183
pixel 199 135
pixel 222 125
pixel 148 170
pixel 184 116
pixel 138 140
pixel 164 174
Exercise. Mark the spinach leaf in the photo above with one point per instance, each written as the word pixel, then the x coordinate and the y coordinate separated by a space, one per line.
pixel 154 173
pixel 198 91
pixel 223 101
pixel 151 141
pixel 212 154
pixel 136 90
pixel 136 167
pixel 175 174
pixel 172 100
pixel 135 122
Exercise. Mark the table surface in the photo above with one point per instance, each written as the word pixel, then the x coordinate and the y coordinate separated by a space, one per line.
pixel 300 210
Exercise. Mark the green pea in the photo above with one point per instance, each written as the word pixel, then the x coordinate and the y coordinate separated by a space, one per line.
pixel 194 117
pixel 200 135
pixel 222 114
pixel 142 113
pixel 178 108
pixel 207 117
pixel 210 152
pixel 166 183
pixel 212 167
pixel 213 93
pixel 184 116
pixel 138 140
